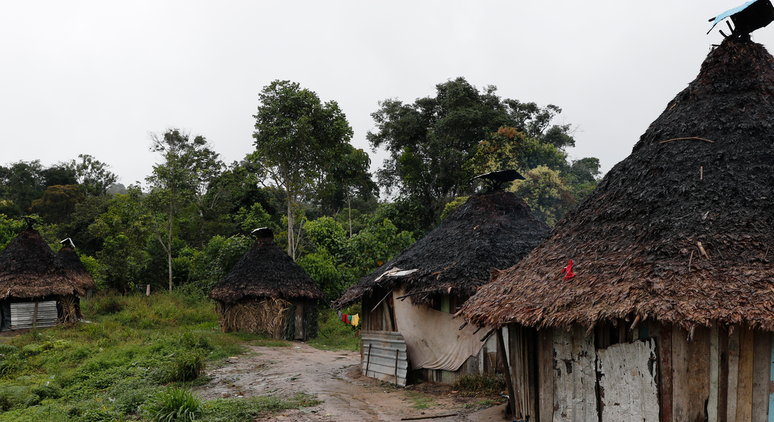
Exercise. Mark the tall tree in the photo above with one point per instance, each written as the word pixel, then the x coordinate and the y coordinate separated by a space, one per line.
pixel 429 141
pixel 348 173
pixel 22 183
pixel 180 180
pixel 92 175
pixel 295 134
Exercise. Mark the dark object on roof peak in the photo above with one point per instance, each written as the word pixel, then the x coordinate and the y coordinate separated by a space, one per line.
pixel 263 233
pixel 496 180
pixel 747 18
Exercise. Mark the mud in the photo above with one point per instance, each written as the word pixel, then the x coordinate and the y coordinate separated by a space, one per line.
pixel 334 377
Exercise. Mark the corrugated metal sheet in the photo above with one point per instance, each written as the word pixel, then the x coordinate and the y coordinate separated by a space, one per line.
pixel 23 312
pixel 384 356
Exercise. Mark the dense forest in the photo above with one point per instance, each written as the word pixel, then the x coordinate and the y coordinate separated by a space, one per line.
pixel 191 221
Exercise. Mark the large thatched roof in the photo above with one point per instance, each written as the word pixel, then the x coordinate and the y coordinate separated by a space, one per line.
pixel 75 269
pixel 29 269
pixel 702 172
pixel 266 271
pixel 490 230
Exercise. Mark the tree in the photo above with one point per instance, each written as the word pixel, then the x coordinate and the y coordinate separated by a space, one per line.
pixel 429 141
pixel 295 135
pixel 546 194
pixel 57 203
pixel 348 172
pixel 180 180
pixel 22 183
pixel 92 175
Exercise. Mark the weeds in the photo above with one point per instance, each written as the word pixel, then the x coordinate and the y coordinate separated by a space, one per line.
pixel 481 384
pixel 115 368
pixel 334 334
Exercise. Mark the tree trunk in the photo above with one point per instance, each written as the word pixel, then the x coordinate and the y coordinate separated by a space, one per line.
pixel 349 207
pixel 291 222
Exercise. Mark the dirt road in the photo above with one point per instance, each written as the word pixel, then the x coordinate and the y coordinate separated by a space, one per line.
pixel 334 377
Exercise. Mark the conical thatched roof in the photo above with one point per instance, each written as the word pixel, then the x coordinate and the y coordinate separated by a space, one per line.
pixel 702 172
pixel 29 269
pixel 75 269
pixel 266 271
pixel 490 230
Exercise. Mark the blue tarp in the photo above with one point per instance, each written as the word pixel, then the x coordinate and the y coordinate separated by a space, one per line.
pixel 728 13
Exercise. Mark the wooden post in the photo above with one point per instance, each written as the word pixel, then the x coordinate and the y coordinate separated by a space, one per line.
pixel 35 316
pixel 368 360
pixel 147 290
pixel 546 374
pixel 396 366
pixel 744 390
pixel 712 405
pixel 733 373
pixel 761 368
pixel 508 380
pixel 665 371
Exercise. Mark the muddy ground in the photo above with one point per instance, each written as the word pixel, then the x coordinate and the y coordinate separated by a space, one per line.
pixel 334 377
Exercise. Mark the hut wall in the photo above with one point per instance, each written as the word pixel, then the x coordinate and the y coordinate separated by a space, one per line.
pixel 651 372
pixel 33 314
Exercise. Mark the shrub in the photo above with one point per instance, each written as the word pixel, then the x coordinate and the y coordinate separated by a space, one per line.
pixel 174 405
pixel 187 366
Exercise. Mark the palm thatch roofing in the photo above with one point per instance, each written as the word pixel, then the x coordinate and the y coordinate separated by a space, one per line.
pixel 266 271
pixel 75 269
pixel 490 230
pixel 30 269
pixel 681 231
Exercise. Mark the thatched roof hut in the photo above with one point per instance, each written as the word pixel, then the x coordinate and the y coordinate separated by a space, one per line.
pixel 490 230
pixel 671 252
pixel 438 274
pixel 266 277
pixel 681 230
pixel 30 269
pixel 76 271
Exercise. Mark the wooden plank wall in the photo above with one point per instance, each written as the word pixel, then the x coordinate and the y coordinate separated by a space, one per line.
pixel 22 314
pixel 384 356
pixel 575 398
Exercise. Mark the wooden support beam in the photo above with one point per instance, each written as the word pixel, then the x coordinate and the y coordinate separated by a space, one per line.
pixel 744 391
pixel 733 372
pixel 546 375
pixel 761 368
pixel 508 379
pixel 714 370
pixel 665 371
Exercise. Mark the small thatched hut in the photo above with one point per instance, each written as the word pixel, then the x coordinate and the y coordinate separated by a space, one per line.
pixel 69 308
pixel 34 284
pixel 417 293
pixel 268 292
pixel 670 313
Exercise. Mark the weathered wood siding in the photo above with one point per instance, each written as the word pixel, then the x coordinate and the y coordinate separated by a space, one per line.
pixel 575 376
pixel 384 356
pixel 22 314
pixel 627 382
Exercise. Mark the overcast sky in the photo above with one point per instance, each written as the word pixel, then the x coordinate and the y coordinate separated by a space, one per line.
pixel 96 77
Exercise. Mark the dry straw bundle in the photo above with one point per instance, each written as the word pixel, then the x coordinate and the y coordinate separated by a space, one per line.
pixel 254 316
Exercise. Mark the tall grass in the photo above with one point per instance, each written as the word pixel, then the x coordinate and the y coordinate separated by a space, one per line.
pixel 118 365
pixel 333 334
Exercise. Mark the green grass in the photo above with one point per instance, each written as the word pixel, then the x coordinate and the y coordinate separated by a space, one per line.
pixel 135 360
pixel 334 334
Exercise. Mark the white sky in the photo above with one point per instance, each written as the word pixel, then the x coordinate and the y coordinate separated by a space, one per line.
pixel 96 77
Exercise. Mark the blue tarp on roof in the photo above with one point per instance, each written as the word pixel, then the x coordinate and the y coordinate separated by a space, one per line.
pixel 730 12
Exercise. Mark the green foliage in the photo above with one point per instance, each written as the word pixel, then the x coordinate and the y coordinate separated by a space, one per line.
pixel 57 203
pixel 187 366
pixel 92 175
pixel 253 218
pixel 220 255
pixel 333 334
pixel 546 194
pixel 175 405
pixel 296 136
pixel 181 180
pixel 453 205
pixel 238 410
pixel 375 245
pixel 9 229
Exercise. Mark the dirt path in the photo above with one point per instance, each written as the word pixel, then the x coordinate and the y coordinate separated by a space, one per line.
pixel 334 377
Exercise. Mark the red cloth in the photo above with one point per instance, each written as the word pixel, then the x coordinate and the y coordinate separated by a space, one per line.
pixel 568 270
